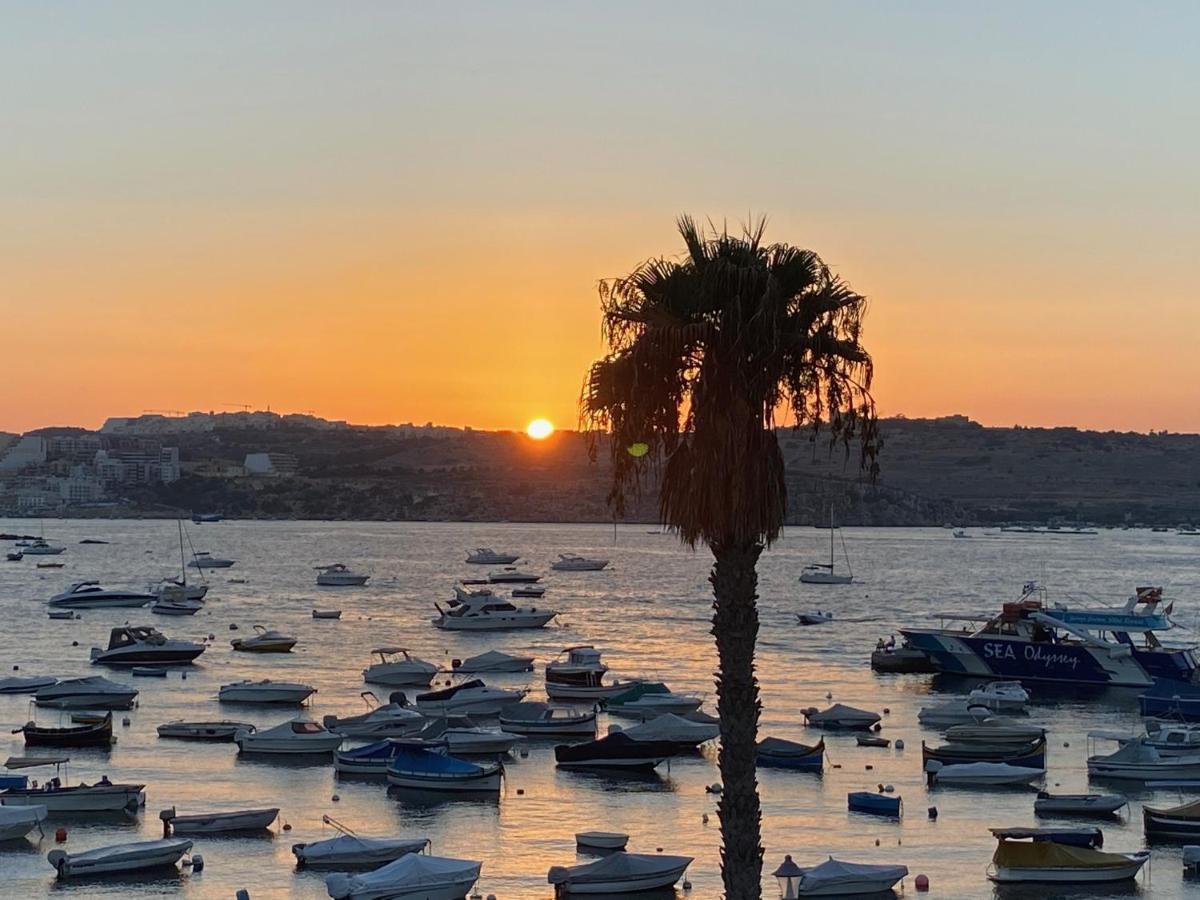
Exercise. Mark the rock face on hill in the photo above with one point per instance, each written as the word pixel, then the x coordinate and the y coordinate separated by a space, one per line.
pixel 932 472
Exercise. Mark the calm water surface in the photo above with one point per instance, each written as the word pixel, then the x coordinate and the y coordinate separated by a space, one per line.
pixel 648 612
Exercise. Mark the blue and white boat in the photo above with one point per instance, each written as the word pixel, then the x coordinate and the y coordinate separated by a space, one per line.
pixel 1171 699
pixel 871 802
pixel 371 759
pixel 778 753
pixel 1029 641
pixel 428 768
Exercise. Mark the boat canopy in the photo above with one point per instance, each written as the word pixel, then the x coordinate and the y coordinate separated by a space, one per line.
pixel 1018 854
pixel 834 872
pixel 1077 837
pixel 670 727
pixel 617 868
pixel 379 750
pixel 412 871
pixel 419 758
pixel 28 762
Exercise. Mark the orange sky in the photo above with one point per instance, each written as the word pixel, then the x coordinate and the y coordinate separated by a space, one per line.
pixel 403 216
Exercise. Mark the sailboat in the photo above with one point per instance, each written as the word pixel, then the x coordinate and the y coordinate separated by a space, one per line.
pixel 176 596
pixel 824 573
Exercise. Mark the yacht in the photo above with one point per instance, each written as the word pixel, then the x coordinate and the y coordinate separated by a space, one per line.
pixel 486 556
pixel 39 547
pixel 295 737
pixel 398 668
pixel 483 610
pixel 93 692
pixel 264 641
pixel 338 575
pixel 205 560
pixel 89 595
pixel 509 575
pixel 135 645
pixel 469 698
pixel 177 590
pixel 265 691
pixel 1030 641
pixel 569 562
pixel 577 673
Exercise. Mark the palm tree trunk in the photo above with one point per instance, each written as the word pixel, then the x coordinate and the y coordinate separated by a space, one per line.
pixel 735 626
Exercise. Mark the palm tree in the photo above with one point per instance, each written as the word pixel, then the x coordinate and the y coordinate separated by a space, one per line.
pixel 705 352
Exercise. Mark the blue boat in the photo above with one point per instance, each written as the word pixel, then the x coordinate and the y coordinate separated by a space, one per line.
pixel 776 753
pixel 372 759
pixel 876 804
pixel 13 782
pixel 1030 641
pixel 1171 699
pixel 417 765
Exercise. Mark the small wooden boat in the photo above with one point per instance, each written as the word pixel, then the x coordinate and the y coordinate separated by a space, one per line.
pixel 867 740
pixel 326 613
pixel 62 614
pixel 1173 822
pixel 148 672
pixel 1075 805
pixel 96 734
pixel 120 858
pixel 1030 855
pixel 876 804
pixel 616 751
pixel 217 822
pixel 619 873
pixel 601 840
pixel 1030 755
pixel 203 731
pixel 782 754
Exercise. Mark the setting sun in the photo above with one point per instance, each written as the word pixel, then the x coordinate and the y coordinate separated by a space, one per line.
pixel 540 429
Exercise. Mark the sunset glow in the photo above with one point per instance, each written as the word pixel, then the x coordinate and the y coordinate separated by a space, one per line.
pixel 540 429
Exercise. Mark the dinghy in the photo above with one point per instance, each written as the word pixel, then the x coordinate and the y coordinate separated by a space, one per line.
pixel 547 720
pixel 217 822
pixel 351 850
pixel 1022 855
pixel 224 730
pixel 411 877
pixel 837 878
pixel 427 768
pixel 778 753
pixel 119 859
pixel 1077 805
pixel 18 821
pixel 873 803
pixel 601 840
pixel 840 716
pixel 816 617
pixel 326 613
pixel 619 873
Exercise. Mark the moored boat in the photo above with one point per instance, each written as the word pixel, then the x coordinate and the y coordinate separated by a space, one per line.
pixel 339 575
pixel 97 734
pixel 1029 755
pixel 137 645
pixel 1077 805
pixel 650 699
pixel 223 730
pixel 493 661
pixel 615 751
pixel 399 668
pixel 413 876
pixel 468 698
pixel 778 753
pixel 265 691
pixel 877 804
pixel 18 821
pixel 570 562
pixel 547 720
pixel 119 859
pixel 1027 855
pixel 93 692
pixel 601 840
pixel 484 610
pixel 422 767
pixel 619 873
pixel 577 673
pixel 840 716
pixel 265 640
pixel 980 774
pixel 352 850
pixel 294 737
pixel 838 878
pixel 230 821
pixel 89 595
pixel 1180 822
pixel 26 684
pixel 486 556
pixel 1136 761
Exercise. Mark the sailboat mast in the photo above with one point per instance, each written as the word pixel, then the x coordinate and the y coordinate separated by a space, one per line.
pixel 830 538
pixel 182 562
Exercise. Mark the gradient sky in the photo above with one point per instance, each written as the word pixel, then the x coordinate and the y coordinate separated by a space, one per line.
pixel 392 212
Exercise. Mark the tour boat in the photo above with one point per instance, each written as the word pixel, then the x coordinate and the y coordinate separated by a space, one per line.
pixel 265 641
pixel 1077 805
pixel 25 684
pixel 265 691
pixel 577 673
pixel 569 562
pixel 223 731
pixel 379 721
pixel 485 611
pixel 89 595
pixel 493 661
pixel 241 820
pixel 511 575
pixel 778 753
pixel 205 560
pixel 838 878
pixel 650 699
pixel 398 668
pixel 95 734
pixel 56 796
pixel 422 767
pixel 544 719
pixel 616 751
pixel 294 737
pixel 1025 855
pixel 468 698
pixel 619 873
pixel 18 821
pixel 1032 642
pixel 93 692
pixel 352 850
pixel 135 645
pixel 338 575
pixel 485 556
pixel 413 876
pixel 840 716
pixel 980 774
pixel 119 859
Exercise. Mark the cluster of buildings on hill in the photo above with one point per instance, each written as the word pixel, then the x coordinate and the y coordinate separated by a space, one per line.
pixel 152 424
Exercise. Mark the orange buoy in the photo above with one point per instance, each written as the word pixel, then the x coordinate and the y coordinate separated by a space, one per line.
pixel 60 835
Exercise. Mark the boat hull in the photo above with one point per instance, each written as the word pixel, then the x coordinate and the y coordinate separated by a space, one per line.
pixel 1012 875
pixel 453 890
pixel 487 782
pixel 110 798
pixel 202 731
pixel 649 882
pixel 16 822
pixel 322 746
pixel 223 823
pixel 130 602
pixel 259 695
pixel 137 857
pixel 493 622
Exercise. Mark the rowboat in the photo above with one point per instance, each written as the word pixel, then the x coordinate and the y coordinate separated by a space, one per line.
pixel 217 822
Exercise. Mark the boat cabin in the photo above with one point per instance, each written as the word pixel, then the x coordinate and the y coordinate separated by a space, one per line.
pixel 129 635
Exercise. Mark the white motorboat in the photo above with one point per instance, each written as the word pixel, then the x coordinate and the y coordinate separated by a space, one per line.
pixel 1031 855
pixel 1137 761
pixel 176 607
pixel 178 589
pixel 995 730
pixel 398 668
pixel 25 684
pixel 462 737
pixel 952 712
pixel 485 611
pixel 339 575
pixel 838 878
pixel 218 822
pixel 294 737
pixel 40 547
pixel 119 859
pixel 93 692
pixel 205 560
pixel 1173 738
pixel 826 573
pixel 1074 805
pixel 265 691
pixel 379 721
pixel 468 698
pixel 18 821
pixel 264 640
pixel 413 876
pixel 137 645
pixel 352 850
pixel 569 562
pixel 89 595
pixel 493 661
pixel 651 699
pixel 840 716
pixel 534 719
pixel 486 556
pixel 980 774
pixel 511 575
pixel 527 591
pixel 683 733
pixel 619 873
pixel 577 673
pixel 203 731
pixel 815 617
pixel 1000 695
pixel 601 840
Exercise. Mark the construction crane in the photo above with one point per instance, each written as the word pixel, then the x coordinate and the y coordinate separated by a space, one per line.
pixel 244 407
pixel 166 412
